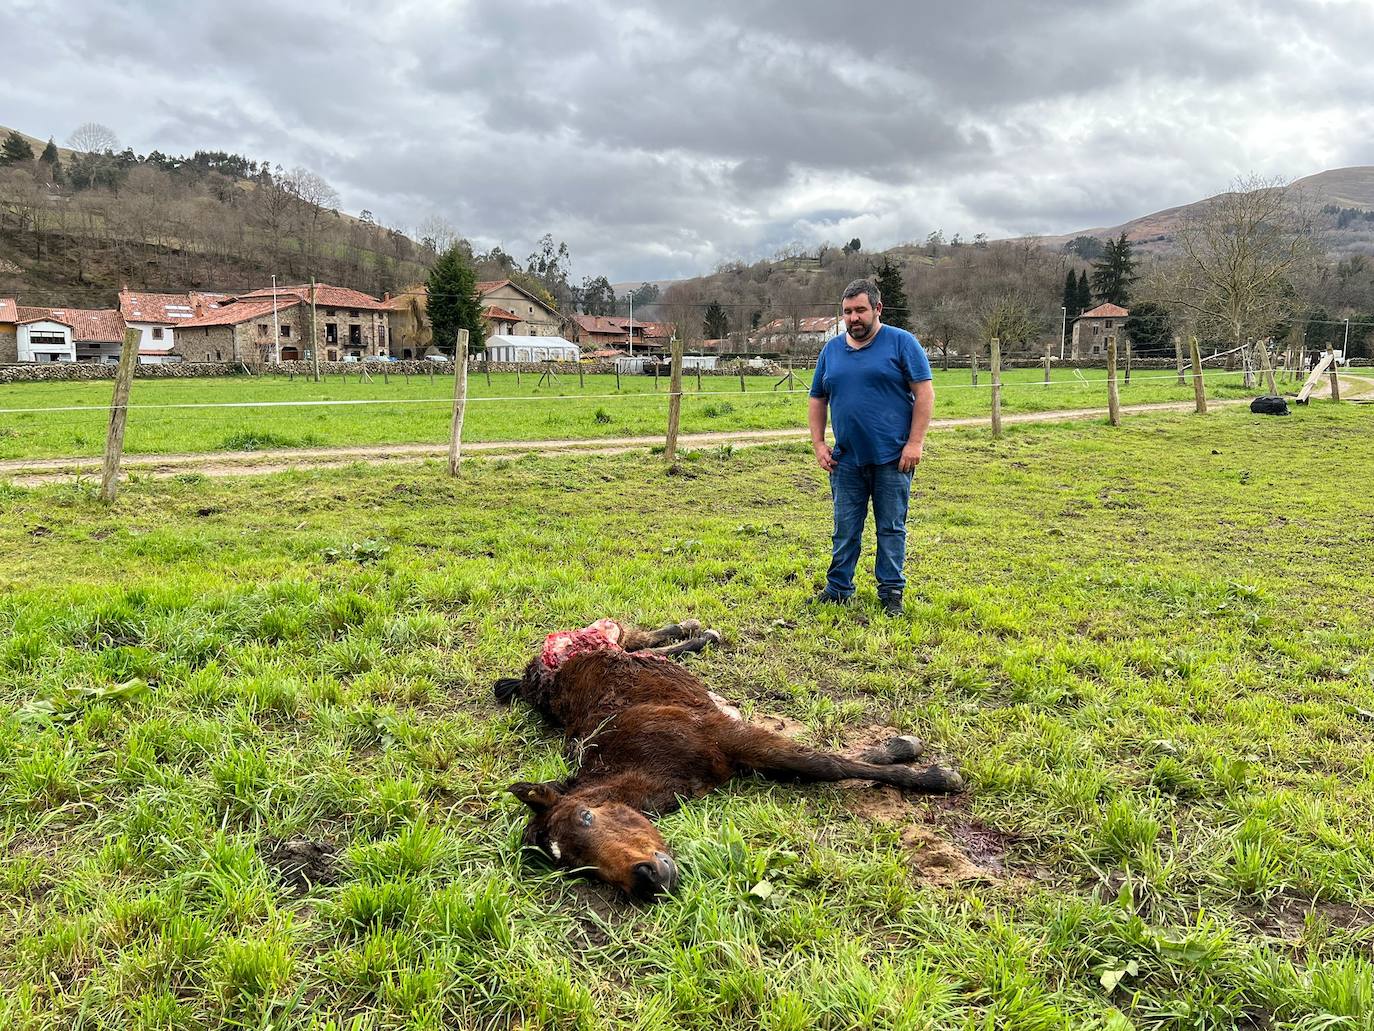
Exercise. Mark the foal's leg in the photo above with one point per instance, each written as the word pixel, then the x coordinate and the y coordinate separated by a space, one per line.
pixel 692 644
pixel 645 640
pixel 780 758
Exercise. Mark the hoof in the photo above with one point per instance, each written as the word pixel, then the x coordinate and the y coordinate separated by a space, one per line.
pixel 713 636
pixel 689 626
pixel 948 780
pixel 904 749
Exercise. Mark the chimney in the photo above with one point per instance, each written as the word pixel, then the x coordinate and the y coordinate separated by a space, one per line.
pixel 386 295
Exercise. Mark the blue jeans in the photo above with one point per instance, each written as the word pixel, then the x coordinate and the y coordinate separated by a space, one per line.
pixel 853 487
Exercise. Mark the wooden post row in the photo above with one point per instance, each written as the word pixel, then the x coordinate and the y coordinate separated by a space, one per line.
pixel 674 402
pixel 1199 389
pixel 995 368
pixel 1113 399
pixel 119 415
pixel 460 402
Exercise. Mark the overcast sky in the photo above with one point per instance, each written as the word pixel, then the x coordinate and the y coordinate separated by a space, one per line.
pixel 662 138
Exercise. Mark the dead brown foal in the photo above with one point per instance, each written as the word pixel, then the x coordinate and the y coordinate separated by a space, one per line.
pixel 648 734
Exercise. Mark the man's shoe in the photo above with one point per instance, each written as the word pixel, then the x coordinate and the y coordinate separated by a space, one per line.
pixel 892 604
pixel 824 597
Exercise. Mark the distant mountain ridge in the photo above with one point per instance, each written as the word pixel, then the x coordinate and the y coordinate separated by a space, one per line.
pixel 1342 188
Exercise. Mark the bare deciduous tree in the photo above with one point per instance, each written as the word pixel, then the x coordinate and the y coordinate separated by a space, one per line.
pixel 1242 252
pixel 93 138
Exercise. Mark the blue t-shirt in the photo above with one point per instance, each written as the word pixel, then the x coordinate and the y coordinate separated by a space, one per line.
pixel 869 390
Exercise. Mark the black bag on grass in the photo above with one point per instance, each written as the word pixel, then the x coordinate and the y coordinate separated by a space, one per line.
pixel 1269 404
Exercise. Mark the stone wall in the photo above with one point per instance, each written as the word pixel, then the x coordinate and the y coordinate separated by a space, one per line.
pixel 69 372
pixel 9 346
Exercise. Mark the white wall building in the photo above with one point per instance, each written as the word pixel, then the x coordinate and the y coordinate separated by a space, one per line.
pixel 46 340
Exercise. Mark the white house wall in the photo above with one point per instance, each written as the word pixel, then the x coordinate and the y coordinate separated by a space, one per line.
pixel 26 352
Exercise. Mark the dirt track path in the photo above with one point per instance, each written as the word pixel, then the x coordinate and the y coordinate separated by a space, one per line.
pixel 35 471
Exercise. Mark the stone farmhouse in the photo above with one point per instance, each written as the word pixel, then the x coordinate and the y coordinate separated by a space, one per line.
pixel 604 332
pixel 507 310
pixel 1092 328
pixel 266 325
pixel 156 317
pixel 9 330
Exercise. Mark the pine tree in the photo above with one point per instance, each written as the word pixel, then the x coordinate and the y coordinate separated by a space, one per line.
pixel 452 302
pixel 1085 293
pixel 888 279
pixel 1114 273
pixel 715 325
pixel 50 158
pixel 15 149
pixel 1070 301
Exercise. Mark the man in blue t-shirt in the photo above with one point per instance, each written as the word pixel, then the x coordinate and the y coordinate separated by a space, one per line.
pixel 875 381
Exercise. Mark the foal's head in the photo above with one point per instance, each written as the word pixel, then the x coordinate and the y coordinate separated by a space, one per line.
pixel 609 840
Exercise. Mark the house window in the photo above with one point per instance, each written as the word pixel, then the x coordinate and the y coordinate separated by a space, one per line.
pixel 329 312
pixel 333 355
pixel 286 331
pixel 217 358
pixel 157 332
pixel 262 329
pixel 355 335
pixel 353 314
pixel 331 333
pixel 1109 323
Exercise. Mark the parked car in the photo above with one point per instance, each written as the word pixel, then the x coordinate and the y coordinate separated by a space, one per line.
pixel 379 358
pixel 437 358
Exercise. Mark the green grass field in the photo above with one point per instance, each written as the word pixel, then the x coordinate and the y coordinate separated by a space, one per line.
pixel 1148 649
pixel 527 412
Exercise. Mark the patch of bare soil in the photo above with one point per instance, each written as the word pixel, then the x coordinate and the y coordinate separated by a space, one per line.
pixel 1285 916
pixel 784 725
pixel 939 862
pixel 303 864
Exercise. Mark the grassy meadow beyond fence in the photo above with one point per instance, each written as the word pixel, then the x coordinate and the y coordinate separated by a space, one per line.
pixel 501 410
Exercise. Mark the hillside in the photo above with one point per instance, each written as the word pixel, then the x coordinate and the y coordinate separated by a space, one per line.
pixel 212 220
pixel 1338 188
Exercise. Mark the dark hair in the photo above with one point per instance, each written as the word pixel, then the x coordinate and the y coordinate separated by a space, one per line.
pixel 862 286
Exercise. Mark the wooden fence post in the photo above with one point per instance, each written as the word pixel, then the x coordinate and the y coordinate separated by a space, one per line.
pixel 1128 361
pixel 1113 400
pixel 581 382
pixel 674 402
pixel 617 377
pixel 973 364
pixel 1330 353
pixel 1266 366
pixel 741 377
pixel 1199 388
pixel 1178 358
pixel 1047 368
pixel 698 379
pixel 119 415
pixel 460 402
pixel 995 368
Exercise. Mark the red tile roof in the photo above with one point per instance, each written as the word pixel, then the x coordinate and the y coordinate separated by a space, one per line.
pixel 166 309
pixel 9 311
pixel 488 285
pixel 499 314
pixel 239 312
pixel 326 296
pixel 606 324
pixel 97 325
pixel 1105 311
pixel 657 330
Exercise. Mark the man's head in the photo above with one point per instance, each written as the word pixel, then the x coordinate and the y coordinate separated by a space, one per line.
pixel 861 305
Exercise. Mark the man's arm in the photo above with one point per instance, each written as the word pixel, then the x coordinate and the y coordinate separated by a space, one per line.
pixel 924 392
pixel 816 411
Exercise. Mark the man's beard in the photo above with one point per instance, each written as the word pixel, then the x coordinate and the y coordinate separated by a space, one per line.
pixel 862 331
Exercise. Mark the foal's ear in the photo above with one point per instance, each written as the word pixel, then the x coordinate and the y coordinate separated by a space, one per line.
pixel 537 796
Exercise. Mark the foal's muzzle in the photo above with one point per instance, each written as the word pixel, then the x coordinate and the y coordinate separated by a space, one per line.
pixel 655 877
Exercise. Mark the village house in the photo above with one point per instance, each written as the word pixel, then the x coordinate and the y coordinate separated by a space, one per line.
pixel 507 310
pixel 9 331
pixel 804 335
pixel 156 316
pixel 606 331
pixel 348 325
pixel 68 334
pixel 1092 328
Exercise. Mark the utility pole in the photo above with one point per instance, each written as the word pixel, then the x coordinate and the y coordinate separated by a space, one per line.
pixel 276 330
pixel 1345 345
pixel 1063 329
pixel 314 343
pixel 632 323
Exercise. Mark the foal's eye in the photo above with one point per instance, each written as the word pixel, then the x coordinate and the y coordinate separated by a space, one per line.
pixel 587 817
